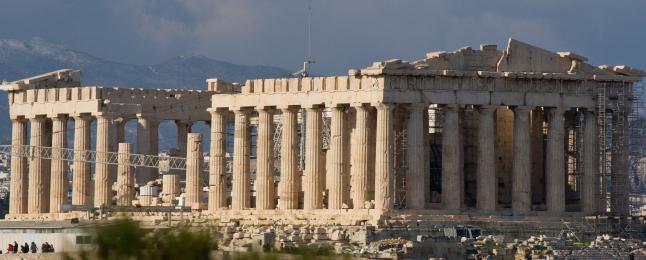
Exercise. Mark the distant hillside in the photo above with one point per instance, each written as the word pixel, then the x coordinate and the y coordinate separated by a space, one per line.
pixel 20 59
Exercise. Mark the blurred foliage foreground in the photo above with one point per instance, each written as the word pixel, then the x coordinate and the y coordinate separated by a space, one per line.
pixel 125 239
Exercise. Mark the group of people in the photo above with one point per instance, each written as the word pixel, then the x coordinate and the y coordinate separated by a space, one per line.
pixel 26 248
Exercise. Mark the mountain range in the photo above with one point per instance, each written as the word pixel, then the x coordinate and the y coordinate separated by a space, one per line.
pixel 21 59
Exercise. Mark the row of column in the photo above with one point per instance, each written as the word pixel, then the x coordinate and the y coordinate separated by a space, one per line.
pixel 452 160
pixel 313 183
pixel 39 185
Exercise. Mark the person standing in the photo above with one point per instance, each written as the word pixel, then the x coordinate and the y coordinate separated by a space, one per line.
pixel 34 249
pixel 15 247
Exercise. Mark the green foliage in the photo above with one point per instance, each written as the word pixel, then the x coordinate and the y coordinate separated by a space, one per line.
pixel 124 239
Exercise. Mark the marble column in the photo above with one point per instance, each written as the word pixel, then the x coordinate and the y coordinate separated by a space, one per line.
pixel 120 130
pixel 359 156
pixel 487 184
pixel 452 159
pixel 265 198
pixel 555 165
pixel 415 157
pixel 147 143
pixel 37 201
pixel 19 171
pixel 312 188
pixel 384 165
pixel 102 178
pixel 240 193
pixel 194 166
pixel 81 168
pixel 336 164
pixel 619 178
pixel 125 176
pixel 171 180
pixel 58 189
pixel 589 194
pixel 521 172
pixel 218 161
pixel 289 188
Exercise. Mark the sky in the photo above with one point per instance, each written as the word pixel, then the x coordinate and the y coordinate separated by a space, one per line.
pixel 344 33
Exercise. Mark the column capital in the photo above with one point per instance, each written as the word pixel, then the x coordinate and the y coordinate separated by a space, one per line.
pixel 265 109
pixel 288 107
pixel 383 106
pixel 58 116
pixel 415 106
pixel 522 108
pixel 18 119
pixel 38 118
pixel 559 109
pixel 312 106
pixel 82 116
pixel 452 107
pixel 107 115
pixel 314 109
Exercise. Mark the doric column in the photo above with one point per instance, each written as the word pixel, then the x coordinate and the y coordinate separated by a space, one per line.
pixel 19 180
pixel 289 187
pixel 37 200
pixel 147 143
pixel 589 194
pixel 487 184
pixel 313 193
pixel 120 130
pixel 194 165
pixel 170 180
pixel 415 157
pixel 240 194
pixel 218 161
pixel 336 164
pixel 620 167
pixel 58 190
pixel 125 176
pixel 521 172
pixel 359 177
pixel 265 160
pixel 555 165
pixel 102 178
pixel 452 159
pixel 81 169
pixel 384 179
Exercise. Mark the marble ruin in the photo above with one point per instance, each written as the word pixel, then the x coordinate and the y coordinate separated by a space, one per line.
pixel 483 132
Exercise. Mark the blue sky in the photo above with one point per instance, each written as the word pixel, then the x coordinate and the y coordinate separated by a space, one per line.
pixel 345 33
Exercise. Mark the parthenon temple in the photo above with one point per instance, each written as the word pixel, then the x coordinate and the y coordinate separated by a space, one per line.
pixel 517 132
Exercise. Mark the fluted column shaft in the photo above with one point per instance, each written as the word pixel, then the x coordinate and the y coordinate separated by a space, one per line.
pixel 19 177
pixel 120 131
pixel 415 157
pixel 81 170
pixel 359 177
pixel 384 165
pixel 147 143
pixel 102 178
pixel 521 171
pixel 452 159
pixel 218 161
pixel 58 189
pixel 313 193
pixel 125 176
pixel 555 165
pixel 37 199
pixel 240 194
pixel 337 166
pixel 194 165
pixel 589 194
pixel 265 160
pixel 170 181
pixel 487 184
pixel 289 187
